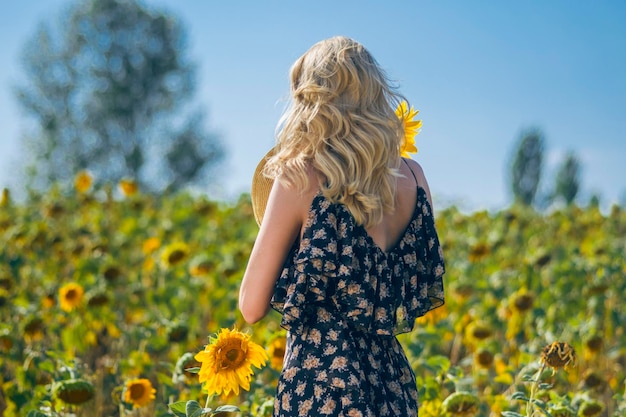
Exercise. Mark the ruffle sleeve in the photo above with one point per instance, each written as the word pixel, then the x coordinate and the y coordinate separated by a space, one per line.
pixel 422 268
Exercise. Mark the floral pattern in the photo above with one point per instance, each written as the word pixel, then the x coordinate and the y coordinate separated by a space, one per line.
pixel 343 299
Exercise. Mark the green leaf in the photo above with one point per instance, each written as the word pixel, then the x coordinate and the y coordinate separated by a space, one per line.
pixel 179 408
pixel 544 386
pixel 519 396
pixel 511 414
pixel 539 403
pixel 36 413
pixel 47 366
pixel 439 362
pixel 192 407
pixel 226 409
pixel 193 370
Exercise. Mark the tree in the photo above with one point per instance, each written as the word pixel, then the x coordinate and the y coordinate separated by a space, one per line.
pixel 527 166
pixel 108 90
pixel 568 179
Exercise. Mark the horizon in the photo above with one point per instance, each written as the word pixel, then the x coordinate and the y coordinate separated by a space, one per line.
pixel 478 75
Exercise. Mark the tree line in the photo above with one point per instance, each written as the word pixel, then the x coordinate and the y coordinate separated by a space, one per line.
pixel 110 88
pixel 527 172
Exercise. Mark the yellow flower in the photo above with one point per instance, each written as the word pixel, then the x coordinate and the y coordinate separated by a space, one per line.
pixel 83 181
pixel 150 245
pixel 174 253
pixel 139 392
pixel 227 362
pixel 128 186
pixel 523 301
pixel 201 265
pixel 48 301
pixel 483 358
pixel 5 199
pixel 411 127
pixel 70 296
pixel 277 352
pixel 590 408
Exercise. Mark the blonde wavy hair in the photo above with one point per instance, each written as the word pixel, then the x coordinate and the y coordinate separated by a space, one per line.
pixel 341 121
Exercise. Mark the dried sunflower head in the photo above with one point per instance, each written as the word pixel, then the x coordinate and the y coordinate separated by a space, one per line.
pixel 558 355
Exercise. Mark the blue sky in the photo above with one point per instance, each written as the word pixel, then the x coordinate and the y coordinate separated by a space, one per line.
pixel 478 71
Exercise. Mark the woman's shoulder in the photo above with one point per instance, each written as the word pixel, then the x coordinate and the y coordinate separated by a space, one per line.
pixel 420 177
pixel 417 171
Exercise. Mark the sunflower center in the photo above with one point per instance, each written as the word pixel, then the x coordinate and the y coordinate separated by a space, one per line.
pixel 71 295
pixel 231 356
pixel 137 391
pixel 176 256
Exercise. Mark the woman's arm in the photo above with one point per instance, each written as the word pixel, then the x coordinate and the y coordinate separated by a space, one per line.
pixel 282 222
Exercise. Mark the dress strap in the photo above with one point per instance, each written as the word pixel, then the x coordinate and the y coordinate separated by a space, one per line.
pixel 412 173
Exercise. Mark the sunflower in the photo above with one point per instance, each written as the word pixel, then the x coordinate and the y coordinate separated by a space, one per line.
pixel 201 265
pixel 478 252
pixel 277 352
pixel 182 370
pixel 83 181
pixel 173 254
pixel 139 392
pixel 558 355
pixel 523 301
pixel 590 408
pixel 227 362
pixel 150 245
pixel 483 358
pixel 70 296
pixel 74 391
pixel 411 127
pixel 128 186
pixel 5 198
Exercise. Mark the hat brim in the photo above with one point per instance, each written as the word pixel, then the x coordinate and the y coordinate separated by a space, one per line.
pixel 261 187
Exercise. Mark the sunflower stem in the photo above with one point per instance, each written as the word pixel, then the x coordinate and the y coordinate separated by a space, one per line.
pixel 208 400
pixel 530 407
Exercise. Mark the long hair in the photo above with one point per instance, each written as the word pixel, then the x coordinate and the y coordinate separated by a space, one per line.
pixel 341 120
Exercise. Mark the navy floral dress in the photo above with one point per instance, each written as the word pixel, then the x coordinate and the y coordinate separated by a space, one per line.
pixel 343 299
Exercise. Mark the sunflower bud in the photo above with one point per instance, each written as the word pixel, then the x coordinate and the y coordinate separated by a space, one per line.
pixel 590 409
pixel 462 404
pixel 74 391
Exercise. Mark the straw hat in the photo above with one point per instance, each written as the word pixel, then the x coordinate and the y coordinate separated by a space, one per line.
pixel 261 187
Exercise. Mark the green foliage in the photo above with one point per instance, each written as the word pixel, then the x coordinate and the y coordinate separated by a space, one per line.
pixel 516 281
pixel 109 89
pixel 527 166
pixel 568 179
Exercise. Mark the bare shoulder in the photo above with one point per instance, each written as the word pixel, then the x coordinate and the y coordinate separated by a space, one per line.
pixel 294 198
pixel 420 177
pixel 418 171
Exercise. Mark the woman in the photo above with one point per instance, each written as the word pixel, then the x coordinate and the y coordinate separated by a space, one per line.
pixel 347 249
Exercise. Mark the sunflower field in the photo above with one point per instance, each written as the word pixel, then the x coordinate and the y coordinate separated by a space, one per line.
pixel 108 295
